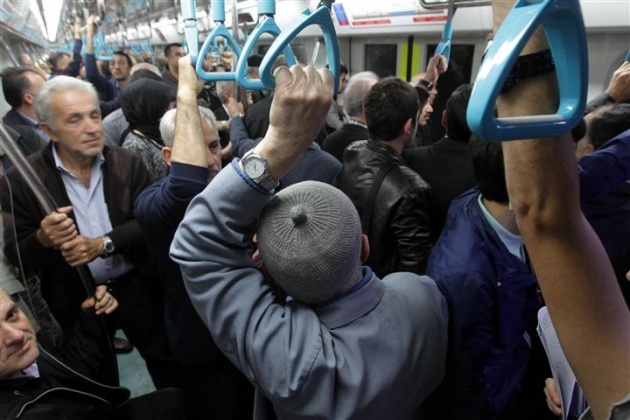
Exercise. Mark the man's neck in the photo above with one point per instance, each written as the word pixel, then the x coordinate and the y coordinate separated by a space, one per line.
pixel 398 144
pixel 28 111
pixel 358 120
pixel 174 73
pixel 122 82
pixel 502 214
pixel 80 166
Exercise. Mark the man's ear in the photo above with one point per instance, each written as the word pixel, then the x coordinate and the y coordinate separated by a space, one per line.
pixel 408 127
pixel 444 119
pixel 28 98
pixel 47 130
pixel 365 248
pixel 166 154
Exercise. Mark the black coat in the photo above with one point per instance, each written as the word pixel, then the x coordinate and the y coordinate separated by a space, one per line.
pixel 65 388
pixel 399 231
pixel 336 142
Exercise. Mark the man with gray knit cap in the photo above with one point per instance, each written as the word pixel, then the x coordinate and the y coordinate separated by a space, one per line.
pixel 343 344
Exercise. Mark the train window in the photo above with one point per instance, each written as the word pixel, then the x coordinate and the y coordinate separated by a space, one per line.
pixel 381 59
pixel 461 58
pixel 440 4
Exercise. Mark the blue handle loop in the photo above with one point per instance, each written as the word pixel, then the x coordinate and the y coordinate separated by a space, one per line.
pixel 219 31
pixel 564 26
pixel 321 17
pixel 444 47
pixel 191 32
pixel 627 56
pixel 266 25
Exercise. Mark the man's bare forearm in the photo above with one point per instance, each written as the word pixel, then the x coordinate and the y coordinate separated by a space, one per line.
pixel 572 268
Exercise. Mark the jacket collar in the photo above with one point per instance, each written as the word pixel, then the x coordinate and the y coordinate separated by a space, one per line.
pixel 344 310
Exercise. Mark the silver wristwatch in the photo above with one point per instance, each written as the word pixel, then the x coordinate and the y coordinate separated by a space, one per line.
pixel 255 167
pixel 108 246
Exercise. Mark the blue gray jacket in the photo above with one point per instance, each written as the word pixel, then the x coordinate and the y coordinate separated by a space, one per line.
pixel 374 353
pixel 493 302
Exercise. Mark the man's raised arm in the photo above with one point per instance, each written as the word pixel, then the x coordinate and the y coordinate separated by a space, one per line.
pixel 573 270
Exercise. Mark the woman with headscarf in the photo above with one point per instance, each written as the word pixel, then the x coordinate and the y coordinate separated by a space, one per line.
pixel 143 103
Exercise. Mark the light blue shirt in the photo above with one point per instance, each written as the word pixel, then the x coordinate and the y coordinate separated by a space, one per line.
pixel 92 217
pixel 513 243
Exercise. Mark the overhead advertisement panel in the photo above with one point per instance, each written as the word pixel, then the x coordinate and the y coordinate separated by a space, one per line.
pixel 361 13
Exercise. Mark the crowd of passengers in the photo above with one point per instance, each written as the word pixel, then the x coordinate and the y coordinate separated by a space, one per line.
pixel 299 254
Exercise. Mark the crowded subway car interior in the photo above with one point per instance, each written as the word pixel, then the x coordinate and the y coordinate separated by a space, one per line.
pixel 314 209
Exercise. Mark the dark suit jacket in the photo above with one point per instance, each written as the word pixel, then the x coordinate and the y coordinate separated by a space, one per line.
pixel 257 118
pixel 336 142
pixel 447 166
pixel 30 141
pixel 313 165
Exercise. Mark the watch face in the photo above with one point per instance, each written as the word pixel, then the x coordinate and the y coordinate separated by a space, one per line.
pixel 254 167
pixel 109 246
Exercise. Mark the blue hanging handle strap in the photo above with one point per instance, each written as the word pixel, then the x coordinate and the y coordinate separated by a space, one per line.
pixel 266 25
pixel 320 17
pixel 218 15
pixel 191 32
pixel 444 47
pixel 628 56
pixel 564 26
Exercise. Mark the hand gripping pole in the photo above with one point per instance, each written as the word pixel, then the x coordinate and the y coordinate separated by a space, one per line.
pixel 320 17
pixel 266 25
pixel 564 26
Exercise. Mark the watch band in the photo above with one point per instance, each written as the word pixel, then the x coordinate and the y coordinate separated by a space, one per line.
pixel 529 65
pixel 264 180
pixel 426 84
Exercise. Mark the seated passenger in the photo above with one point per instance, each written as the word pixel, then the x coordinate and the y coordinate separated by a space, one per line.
pixel 36 383
pixel 345 344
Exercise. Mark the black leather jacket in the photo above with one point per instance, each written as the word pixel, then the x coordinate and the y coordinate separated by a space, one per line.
pixel 399 234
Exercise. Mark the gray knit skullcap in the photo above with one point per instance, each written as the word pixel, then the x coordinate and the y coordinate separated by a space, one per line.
pixel 309 237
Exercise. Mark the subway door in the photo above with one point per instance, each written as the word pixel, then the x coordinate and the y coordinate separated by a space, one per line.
pixel 399 56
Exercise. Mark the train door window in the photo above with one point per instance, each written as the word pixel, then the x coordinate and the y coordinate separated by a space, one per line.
pixel 381 59
pixel 462 55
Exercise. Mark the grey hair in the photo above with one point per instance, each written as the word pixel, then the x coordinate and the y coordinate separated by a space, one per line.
pixel 222 87
pixel 356 90
pixel 167 123
pixel 145 66
pixel 58 84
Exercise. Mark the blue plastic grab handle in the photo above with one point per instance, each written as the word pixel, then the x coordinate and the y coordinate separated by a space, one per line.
pixel 628 56
pixel 266 25
pixel 563 24
pixel 209 44
pixel 321 17
pixel 191 32
pixel 444 47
